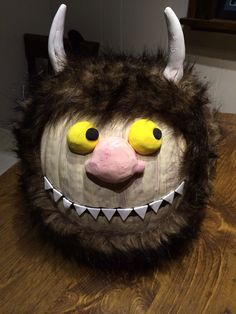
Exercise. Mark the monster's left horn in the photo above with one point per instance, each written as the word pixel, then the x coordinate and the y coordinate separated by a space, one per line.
pixel 56 49
pixel 176 57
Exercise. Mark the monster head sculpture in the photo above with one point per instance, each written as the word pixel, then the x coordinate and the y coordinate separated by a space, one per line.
pixel 117 151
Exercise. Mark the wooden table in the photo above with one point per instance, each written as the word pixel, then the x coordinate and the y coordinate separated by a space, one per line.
pixel 34 278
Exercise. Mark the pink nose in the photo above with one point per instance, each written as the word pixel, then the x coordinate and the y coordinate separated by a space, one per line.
pixel 114 160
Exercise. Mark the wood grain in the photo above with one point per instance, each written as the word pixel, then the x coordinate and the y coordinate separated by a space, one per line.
pixel 35 278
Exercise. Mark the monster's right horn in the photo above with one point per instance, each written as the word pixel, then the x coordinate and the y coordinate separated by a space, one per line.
pixel 56 50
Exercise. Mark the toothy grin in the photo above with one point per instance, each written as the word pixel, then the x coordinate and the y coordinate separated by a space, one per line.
pixel 110 212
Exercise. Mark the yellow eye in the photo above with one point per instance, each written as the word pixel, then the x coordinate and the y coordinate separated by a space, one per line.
pixel 82 137
pixel 145 137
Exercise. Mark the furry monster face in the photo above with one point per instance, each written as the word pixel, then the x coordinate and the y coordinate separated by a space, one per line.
pixel 128 186
pixel 117 151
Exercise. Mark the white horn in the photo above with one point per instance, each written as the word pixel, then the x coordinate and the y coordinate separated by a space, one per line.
pixel 174 68
pixel 56 50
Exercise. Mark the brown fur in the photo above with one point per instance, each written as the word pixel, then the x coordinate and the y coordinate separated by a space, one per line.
pixel 123 87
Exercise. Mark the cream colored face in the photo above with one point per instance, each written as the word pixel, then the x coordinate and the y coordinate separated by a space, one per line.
pixel 66 172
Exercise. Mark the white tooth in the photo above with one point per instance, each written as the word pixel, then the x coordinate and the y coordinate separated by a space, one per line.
pixel 56 195
pixel 169 197
pixel 94 211
pixel 180 188
pixel 155 205
pixel 66 203
pixel 109 212
pixel 141 210
pixel 124 212
pixel 80 209
pixel 47 184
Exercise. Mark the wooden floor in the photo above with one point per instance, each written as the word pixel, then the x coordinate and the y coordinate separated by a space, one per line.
pixel 34 278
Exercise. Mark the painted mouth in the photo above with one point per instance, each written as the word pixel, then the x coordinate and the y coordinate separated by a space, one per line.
pixel 110 212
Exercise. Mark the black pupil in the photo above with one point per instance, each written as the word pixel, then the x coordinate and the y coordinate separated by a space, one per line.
pixel 92 134
pixel 157 133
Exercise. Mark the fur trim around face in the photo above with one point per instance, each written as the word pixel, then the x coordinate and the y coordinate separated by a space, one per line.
pixel 121 87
